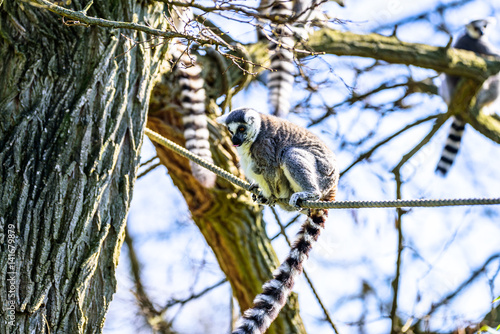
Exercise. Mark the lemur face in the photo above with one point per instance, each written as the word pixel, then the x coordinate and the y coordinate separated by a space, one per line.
pixel 478 28
pixel 238 133
pixel 243 124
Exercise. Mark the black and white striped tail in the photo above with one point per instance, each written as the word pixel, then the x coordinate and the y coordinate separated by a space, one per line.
pixel 192 100
pixel 268 304
pixel 281 77
pixel 451 147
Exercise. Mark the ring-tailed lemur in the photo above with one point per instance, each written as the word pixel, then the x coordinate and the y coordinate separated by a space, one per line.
pixel 475 39
pixel 192 99
pixel 286 161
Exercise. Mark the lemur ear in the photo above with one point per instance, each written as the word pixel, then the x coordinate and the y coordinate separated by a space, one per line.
pixel 222 119
pixel 250 119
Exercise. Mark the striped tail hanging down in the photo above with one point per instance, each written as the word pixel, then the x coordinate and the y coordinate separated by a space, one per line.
pixel 451 147
pixel 191 96
pixel 281 77
pixel 268 304
pixel 192 99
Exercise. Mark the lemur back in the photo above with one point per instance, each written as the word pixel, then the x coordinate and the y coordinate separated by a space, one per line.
pixel 473 40
pixel 268 158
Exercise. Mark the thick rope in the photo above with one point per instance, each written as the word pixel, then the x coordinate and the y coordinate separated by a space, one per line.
pixel 319 204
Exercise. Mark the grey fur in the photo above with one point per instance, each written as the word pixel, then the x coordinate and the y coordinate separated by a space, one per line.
pixel 475 39
pixel 286 161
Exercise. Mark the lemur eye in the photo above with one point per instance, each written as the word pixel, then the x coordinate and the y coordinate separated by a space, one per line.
pixel 241 129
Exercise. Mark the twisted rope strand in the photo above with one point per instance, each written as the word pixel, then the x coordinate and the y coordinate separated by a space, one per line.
pixel 319 204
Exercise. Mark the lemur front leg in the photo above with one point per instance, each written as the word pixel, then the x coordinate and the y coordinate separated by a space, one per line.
pixel 300 170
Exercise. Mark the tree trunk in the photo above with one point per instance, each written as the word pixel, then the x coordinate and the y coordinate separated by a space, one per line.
pixel 73 102
pixel 226 215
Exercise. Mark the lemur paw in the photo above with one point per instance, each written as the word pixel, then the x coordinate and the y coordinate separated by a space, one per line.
pixel 253 186
pixel 261 199
pixel 297 198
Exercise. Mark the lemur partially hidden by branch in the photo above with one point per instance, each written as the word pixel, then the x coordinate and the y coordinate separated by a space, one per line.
pixel 192 98
pixel 285 161
pixel 475 39
pixel 302 14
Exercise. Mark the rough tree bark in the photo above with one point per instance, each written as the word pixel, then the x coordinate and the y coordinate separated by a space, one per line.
pixel 73 103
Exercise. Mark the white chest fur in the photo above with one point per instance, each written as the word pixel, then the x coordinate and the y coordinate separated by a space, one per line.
pixel 248 167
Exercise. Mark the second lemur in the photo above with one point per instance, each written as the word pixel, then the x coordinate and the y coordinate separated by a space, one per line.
pixel 300 14
pixel 475 39
pixel 285 161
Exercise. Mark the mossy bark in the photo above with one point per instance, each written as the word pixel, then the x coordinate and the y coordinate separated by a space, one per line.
pixel 73 103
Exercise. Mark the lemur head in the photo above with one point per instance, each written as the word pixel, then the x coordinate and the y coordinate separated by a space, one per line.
pixel 477 28
pixel 243 124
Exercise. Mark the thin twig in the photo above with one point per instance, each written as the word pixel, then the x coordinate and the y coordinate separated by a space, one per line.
pixel 148 161
pixel 397 276
pixel 294 219
pixel 460 288
pixel 173 302
pixel 80 17
pixel 153 317
pixel 397 174
pixel 368 154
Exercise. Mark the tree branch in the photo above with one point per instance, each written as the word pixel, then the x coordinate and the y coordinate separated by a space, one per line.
pixel 369 153
pixel 81 18
pixel 487 125
pixel 390 49
pixel 460 288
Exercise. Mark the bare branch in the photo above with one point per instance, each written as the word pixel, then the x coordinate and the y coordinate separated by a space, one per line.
pixel 460 288
pixel 194 295
pixel 368 153
pixel 80 18
pixel 449 60
pixel 424 15
pixel 153 316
